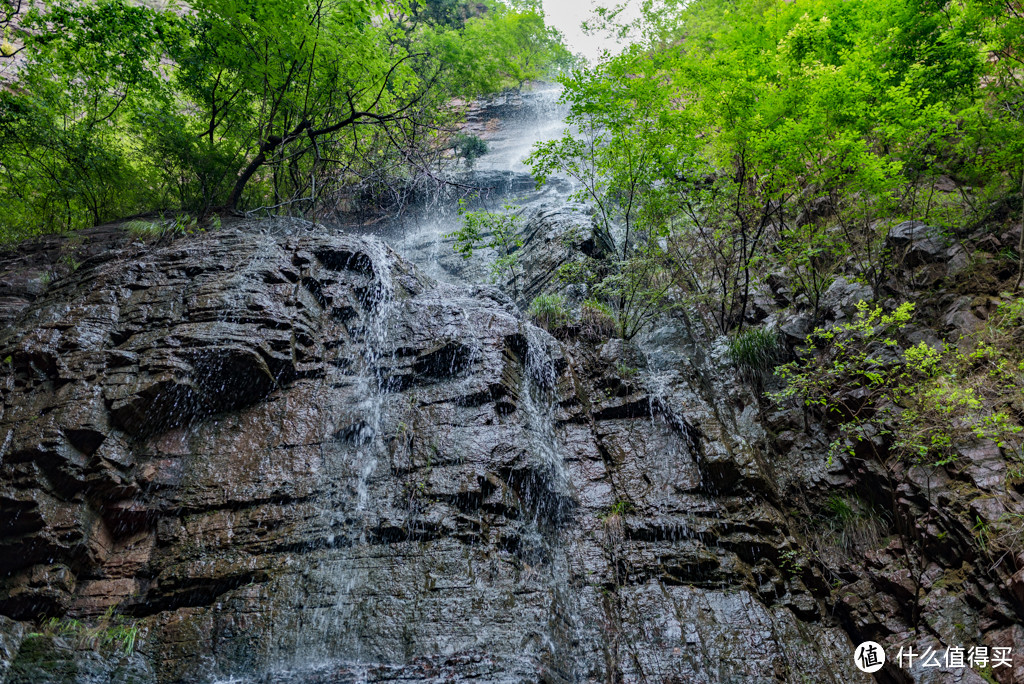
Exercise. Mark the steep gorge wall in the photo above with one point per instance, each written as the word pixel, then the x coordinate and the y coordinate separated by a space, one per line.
pixel 291 457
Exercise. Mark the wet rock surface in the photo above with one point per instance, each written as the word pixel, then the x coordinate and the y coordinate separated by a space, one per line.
pixel 284 454
pixel 291 457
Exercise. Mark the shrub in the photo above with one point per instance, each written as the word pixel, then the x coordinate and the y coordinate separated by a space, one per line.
pixel 597 321
pixel 926 401
pixel 495 230
pixel 469 148
pixel 6 47
pixel 549 311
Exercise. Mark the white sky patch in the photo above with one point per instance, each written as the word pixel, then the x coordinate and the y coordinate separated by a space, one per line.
pixel 567 15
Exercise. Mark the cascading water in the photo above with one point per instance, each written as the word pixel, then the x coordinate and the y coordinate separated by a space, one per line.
pixel 503 176
pixel 329 638
pixel 511 126
pixel 354 392
pixel 366 431
pixel 538 403
pixel 293 457
pixel 537 398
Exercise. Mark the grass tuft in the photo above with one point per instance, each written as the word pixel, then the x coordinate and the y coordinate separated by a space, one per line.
pixel 756 349
pixel 549 311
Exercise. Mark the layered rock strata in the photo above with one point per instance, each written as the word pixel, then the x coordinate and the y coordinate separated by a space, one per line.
pixel 281 454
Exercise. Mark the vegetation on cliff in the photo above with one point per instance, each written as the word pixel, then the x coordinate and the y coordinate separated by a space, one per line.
pixel 744 155
pixel 919 402
pixel 120 109
pixel 741 138
pixel 834 186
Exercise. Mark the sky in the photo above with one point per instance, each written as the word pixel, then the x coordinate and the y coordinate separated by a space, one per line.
pixel 566 15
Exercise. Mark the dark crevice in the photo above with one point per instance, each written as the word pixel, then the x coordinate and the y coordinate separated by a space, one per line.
pixel 344 260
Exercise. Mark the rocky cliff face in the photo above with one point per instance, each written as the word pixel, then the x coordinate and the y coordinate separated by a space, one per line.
pixel 280 452
pixel 291 458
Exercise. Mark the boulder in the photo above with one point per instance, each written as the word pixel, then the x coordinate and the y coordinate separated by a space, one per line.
pixel 917 243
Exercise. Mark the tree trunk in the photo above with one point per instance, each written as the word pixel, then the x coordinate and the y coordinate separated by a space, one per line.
pixel 1020 241
pixel 272 143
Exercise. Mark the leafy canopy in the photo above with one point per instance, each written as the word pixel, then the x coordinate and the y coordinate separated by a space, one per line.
pixel 242 104
pixel 750 137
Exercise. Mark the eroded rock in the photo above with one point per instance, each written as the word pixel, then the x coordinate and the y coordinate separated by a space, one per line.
pixel 292 457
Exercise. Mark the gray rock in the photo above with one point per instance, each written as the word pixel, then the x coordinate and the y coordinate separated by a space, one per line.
pixel 917 243
pixel 960 316
pixel 293 457
pixel 12 633
pixel 796 327
pixel 840 299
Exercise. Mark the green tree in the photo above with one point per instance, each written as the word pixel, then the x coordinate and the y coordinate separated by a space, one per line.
pixel 783 137
pixel 238 104
pixel 617 154
pixel 65 159
pixel 298 74
pixel 516 46
pixel 496 230
pixel 9 12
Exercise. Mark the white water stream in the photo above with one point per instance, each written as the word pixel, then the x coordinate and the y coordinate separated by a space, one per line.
pixel 341 588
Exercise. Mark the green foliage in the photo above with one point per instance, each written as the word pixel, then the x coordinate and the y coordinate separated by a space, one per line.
pixel 120 108
pixel 499 231
pixel 71 262
pixel 549 311
pixel 105 633
pixel 791 562
pixel 757 138
pixel 987 674
pixel 811 254
pixel 452 13
pixel 625 371
pixel 513 46
pixel 144 229
pixel 756 350
pixel 926 401
pixel 839 508
pixel 849 368
pixel 613 158
pixel 7 48
pixel 177 226
pixel 982 533
pixel 469 148
pixel 64 161
pixel 619 508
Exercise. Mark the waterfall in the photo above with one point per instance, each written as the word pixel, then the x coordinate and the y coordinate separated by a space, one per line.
pixel 290 453
pixel 329 638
